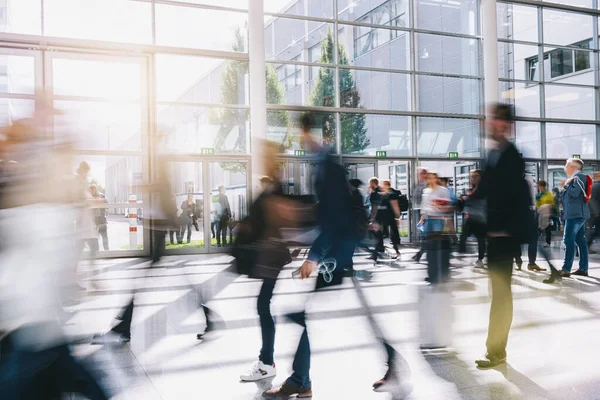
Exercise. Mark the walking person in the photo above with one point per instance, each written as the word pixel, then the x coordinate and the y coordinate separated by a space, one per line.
pixel 85 222
pixel 473 206
pixel 556 210
pixel 376 216
pixel 188 217
pixel 223 216
pixel 417 194
pixel 577 212
pixel 594 211
pixel 335 242
pixel 533 230
pixel 434 210
pixel 101 216
pixel 391 203
pixel 544 204
pixel 508 202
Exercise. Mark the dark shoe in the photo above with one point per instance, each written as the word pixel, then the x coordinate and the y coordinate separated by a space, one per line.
pixel 565 274
pixel 579 273
pixel 535 267
pixel 286 390
pixel 111 338
pixel 417 257
pixel 490 361
pixel 554 276
pixel 519 265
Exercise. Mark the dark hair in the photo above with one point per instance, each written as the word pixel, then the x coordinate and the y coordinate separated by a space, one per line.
pixel 374 180
pixel 503 112
pixel 542 184
pixel 306 121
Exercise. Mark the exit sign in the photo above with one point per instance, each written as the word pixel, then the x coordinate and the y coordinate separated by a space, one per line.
pixel 208 151
pixel 576 155
pixel 381 154
pixel 300 153
pixel 453 154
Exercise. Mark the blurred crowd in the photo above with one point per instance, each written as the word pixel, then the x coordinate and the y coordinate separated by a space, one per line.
pixel 39 263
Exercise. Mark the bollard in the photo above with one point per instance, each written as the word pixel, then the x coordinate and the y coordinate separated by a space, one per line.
pixel 133 222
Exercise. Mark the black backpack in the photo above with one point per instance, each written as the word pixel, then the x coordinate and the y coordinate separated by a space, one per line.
pixel 403 202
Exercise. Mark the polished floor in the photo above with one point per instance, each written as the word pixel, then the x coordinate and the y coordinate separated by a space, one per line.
pixel 553 348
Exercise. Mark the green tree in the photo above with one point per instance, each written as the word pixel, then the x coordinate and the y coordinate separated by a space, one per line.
pixel 353 130
pixel 233 91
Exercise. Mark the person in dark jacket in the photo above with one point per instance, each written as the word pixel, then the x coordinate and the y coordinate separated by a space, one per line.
pixel 335 241
pixel 223 216
pixel 188 217
pixel 594 205
pixel 507 212
pixel 474 208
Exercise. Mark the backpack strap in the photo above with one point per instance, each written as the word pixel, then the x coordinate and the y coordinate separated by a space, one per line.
pixel 585 195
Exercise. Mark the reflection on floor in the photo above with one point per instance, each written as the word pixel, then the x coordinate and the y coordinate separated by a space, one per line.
pixel 552 350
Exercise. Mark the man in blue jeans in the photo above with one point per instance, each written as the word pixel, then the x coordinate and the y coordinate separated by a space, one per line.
pixel 576 214
pixel 336 241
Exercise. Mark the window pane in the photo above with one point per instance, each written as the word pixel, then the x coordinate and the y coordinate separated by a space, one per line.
pixel 367 51
pixel 287 39
pixel 189 129
pixel 380 12
pixel 111 20
pixel 564 140
pixel 374 90
pixel 282 128
pixel 524 97
pixel 116 178
pixel 564 28
pixel 518 61
pixel 449 55
pixel 17 74
pixel 21 16
pixel 99 126
pixel 448 95
pixel 102 79
pixel 367 133
pixel 12 110
pixel 310 8
pixel 243 4
pixel 438 136
pixel 452 16
pixel 528 139
pixel 577 3
pixel 189 79
pixel 517 22
pixel 220 30
pixel 570 102
pixel 289 85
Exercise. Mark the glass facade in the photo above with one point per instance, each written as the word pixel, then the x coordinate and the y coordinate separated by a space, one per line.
pixel 398 78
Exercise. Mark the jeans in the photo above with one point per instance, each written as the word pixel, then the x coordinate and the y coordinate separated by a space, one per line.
pixel 267 323
pixel 500 255
pixel 472 227
pixel 182 230
pixel 575 234
pixel 596 232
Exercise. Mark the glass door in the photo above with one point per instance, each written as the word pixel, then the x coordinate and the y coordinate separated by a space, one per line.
pixel 296 176
pixel 102 104
pixel 398 172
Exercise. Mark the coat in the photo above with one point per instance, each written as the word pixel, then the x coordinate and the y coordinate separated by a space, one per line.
pixel 572 198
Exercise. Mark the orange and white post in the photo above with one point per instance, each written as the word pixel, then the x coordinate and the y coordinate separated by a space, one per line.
pixel 133 222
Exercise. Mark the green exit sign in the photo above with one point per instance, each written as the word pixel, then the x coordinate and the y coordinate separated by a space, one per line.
pixel 381 154
pixel 453 154
pixel 208 151
pixel 300 153
pixel 576 155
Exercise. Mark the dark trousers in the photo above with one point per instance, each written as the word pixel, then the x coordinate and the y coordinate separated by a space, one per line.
pixel 500 255
pixel 595 222
pixel 392 227
pixel 267 322
pixel 212 228
pixel 173 235
pixel 548 232
pixel 103 231
pixel 44 374
pixel 472 227
pixel 438 258
pixel 222 231
pixel 126 316
pixel 182 230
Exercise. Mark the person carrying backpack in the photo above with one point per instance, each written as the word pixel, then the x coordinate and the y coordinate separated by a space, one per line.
pixel 574 197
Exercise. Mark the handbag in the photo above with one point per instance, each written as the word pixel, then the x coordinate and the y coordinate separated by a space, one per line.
pixel 272 255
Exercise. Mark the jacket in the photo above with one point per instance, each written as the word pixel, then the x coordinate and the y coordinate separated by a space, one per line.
pixel 595 201
pixel 545 197
pixel 507 194
pixel 572 198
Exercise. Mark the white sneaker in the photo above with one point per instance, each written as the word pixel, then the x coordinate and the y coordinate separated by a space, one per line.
pixel 259 371
pixel 478 264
